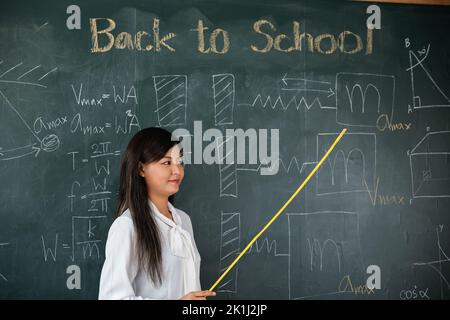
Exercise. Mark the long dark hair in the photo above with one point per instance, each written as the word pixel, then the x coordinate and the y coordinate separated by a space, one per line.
pixel 148 145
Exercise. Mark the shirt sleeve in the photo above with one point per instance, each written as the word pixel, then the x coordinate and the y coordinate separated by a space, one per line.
pixel 121 265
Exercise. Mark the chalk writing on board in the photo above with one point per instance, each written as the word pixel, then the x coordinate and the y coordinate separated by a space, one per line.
pixel 84 242
pixel 230 231
pixel 437 265
pixel 124 96
pixel 278 102
pixel 422 80
pixel 307 85
pixel 414 294
pixel 49 143
pixel 228 181
pixel 4 244
pixel 385 123
pixel 228 178
pixel 171 99
pixel 224 92
pixel 131 122
pixel 346 286
pixel 428 162
pixel 356 154
pixel 383 199
pixel 294 166
pixel 267 246
pixel 318 249
pixel 349 157
pixel 40 124
pixel 66 114
pixel 92 195
pixel 362 97
pixel 30 77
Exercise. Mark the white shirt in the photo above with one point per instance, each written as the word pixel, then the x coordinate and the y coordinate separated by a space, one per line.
pixel 121 276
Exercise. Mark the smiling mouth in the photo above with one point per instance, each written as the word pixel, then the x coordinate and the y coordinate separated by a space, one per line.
pixel 175 181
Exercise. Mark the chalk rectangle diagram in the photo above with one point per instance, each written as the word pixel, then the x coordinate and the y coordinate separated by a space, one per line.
pixel 430 166
pixel 171 99
pixel 223 88
pixel 362 97
pixel 350 167
pixel 227 173
pixel 229 248
pixel 323 247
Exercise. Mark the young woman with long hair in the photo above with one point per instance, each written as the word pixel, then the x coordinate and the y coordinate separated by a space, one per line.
pixel 150 251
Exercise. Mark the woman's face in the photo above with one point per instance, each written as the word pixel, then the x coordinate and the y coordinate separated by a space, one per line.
pixel 163 177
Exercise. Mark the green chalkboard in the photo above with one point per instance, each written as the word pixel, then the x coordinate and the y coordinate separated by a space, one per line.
pixel 295 71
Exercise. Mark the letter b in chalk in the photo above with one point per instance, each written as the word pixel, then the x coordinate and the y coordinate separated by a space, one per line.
pixel 74 280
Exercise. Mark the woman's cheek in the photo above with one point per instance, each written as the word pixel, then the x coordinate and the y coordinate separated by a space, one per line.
pixel 181 175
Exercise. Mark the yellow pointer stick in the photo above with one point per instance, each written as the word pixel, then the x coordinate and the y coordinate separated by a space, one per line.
pixel 281 209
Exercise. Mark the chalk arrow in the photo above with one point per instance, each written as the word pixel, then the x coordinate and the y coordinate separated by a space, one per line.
pixel 289 83
pixel 36 150
pixel 331 93
pixel 285 80
pixel 20 152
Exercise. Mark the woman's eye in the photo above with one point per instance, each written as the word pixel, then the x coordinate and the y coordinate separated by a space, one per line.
pixel 168 162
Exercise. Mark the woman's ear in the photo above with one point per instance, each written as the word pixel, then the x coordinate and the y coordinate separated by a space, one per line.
pixel 141 169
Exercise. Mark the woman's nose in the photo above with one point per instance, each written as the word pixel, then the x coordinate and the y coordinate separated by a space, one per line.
pixel 175 169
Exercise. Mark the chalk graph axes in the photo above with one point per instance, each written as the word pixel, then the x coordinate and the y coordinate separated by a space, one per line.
pixel 441 259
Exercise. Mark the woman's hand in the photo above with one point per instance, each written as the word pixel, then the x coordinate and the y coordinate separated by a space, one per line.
pixel 198 295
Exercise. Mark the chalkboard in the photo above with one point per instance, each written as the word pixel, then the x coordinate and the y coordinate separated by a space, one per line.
pixel 373 222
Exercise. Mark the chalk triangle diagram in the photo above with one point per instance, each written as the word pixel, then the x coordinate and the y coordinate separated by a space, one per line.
pixel 16 139
pixel 426 91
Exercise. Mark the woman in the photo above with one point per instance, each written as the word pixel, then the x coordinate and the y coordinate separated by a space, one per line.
pixel 150 251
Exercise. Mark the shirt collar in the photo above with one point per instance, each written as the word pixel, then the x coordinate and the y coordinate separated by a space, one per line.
pixel 176 218
pixel 180 245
